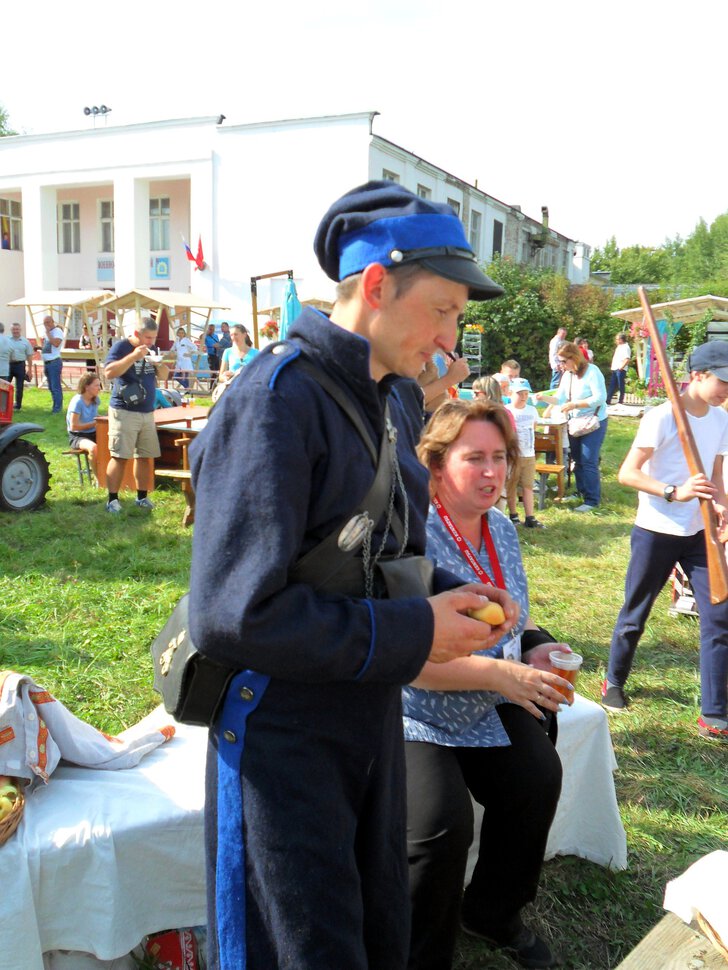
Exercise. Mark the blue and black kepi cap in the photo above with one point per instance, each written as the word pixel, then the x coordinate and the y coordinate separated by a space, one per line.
pixel 381 222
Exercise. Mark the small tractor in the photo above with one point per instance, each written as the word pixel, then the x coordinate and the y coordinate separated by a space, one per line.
pixel 24 473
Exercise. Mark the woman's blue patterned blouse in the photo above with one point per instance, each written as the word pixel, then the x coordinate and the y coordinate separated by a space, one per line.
pixel 467 718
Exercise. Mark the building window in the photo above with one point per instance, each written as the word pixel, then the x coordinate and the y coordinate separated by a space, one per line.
pixel 159 224
pixel 69 227
pixel 106 226
pixel 424 192
pixel 476 220
pixel 497 237
pixel 454 204
pixel 390 176
pixel 11 224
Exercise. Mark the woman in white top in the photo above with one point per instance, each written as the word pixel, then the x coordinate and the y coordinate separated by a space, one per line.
pixel 185 350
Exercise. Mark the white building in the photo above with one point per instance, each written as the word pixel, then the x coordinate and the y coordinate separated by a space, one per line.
pixel 108 207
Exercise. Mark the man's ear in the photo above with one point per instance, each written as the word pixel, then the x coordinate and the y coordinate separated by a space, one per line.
pixel 372 283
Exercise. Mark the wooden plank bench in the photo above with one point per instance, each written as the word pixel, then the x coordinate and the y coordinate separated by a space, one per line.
pixel 183 476
pixel 673 945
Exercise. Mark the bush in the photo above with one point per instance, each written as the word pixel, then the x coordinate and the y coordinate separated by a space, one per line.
pixel 536 303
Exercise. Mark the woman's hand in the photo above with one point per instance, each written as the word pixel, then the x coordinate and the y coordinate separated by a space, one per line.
pixel 539 656
pixel 528 686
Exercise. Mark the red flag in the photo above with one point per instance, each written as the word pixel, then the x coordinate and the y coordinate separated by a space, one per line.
pixel 200 260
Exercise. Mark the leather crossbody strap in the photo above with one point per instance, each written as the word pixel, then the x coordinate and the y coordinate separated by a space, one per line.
pixel 327 558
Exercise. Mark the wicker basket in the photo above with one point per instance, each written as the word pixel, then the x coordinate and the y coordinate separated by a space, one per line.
pixel 712 935
pixel 9 824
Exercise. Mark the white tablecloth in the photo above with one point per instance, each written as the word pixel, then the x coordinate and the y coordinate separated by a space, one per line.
pixel 102 858
pixel 587 822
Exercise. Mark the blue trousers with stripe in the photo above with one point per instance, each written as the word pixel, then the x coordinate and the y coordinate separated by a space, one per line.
pixel 306 828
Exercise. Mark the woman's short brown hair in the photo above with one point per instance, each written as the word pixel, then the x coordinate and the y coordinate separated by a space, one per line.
pixel 86 379
pixel 446 425
pixel 572 353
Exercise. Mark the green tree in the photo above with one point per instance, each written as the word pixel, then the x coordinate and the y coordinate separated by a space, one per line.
pixel 5 128
pixel 604 259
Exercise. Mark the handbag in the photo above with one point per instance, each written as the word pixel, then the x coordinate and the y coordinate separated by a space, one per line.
pixel 583 424
pixel 192 685
pixel 577 427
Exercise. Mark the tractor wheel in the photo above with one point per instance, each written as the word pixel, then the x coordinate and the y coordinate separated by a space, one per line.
pixel 24 477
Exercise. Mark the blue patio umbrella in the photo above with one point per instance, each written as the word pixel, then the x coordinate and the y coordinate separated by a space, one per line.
pixel 290 309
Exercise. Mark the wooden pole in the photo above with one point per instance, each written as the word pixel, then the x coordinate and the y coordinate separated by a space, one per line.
pixel 717 568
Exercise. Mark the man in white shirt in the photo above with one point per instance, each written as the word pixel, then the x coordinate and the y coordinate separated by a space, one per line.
pixel 620 362
pixel 21 354
pixel 669 529
pixel 556 341
pixel 50 351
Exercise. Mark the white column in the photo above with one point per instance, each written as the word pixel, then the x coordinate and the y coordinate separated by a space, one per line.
pixel 202 225
pixel 39 238
pixel 131 234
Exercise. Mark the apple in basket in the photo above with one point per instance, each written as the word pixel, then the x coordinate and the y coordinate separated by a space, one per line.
pixel 490 613
pixel 8 795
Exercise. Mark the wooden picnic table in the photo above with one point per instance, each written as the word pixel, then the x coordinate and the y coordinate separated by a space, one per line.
pixel 171 457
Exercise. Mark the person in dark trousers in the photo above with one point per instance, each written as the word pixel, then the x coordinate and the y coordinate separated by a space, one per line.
pixel 669 528
pixel 620 362
pixel 21 356
pixel 305 806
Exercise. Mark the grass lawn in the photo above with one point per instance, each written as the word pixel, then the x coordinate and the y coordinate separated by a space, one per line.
pixel 84 593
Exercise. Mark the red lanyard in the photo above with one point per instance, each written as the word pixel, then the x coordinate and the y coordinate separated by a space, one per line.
pixel 465 550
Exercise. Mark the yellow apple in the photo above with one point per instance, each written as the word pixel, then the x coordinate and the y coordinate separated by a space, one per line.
pixel 9 791
pixel 6 806
pixel 490 613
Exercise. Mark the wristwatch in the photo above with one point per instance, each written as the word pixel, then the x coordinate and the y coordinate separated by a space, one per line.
pixel 669 492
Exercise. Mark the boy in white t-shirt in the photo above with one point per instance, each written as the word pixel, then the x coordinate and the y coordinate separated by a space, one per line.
pixel 525 416
pixel 669 529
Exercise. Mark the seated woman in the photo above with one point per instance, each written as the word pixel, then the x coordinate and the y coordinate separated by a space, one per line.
pixel 237 356
pixel 81 416
pixel 476 726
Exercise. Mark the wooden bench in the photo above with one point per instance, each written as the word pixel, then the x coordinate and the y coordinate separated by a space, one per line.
pixel 78 453
pixel 184 477
pixel 548 441
pixel 673 945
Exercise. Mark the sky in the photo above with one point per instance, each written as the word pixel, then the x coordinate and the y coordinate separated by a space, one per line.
pixel 612 115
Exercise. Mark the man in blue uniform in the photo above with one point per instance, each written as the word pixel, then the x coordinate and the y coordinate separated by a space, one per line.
pixel 305 790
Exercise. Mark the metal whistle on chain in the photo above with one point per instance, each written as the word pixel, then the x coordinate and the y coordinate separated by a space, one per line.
pixel 355 532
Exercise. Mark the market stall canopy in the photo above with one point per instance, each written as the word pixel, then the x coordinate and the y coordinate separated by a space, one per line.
pixel 61 305
pixel 180 307
pixel 684 311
